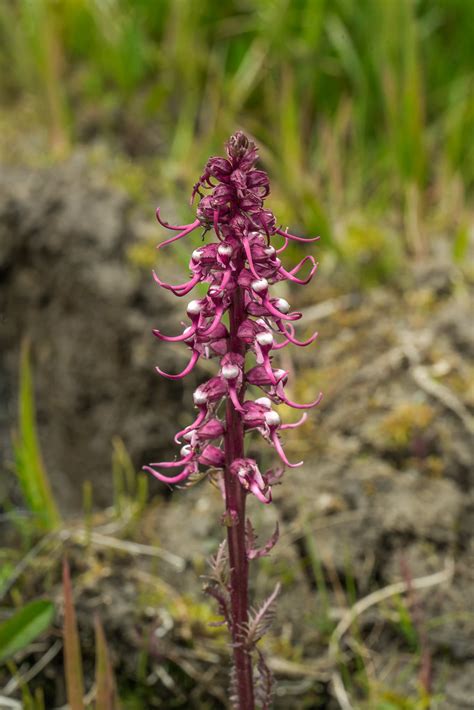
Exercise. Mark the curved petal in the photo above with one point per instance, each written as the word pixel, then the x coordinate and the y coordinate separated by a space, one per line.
pixel 277 444
pixel 295 238
pixel 278 314
pixel 188 470
pixel 234 398
pixel 295 405
pixel 290 275
pixel 180 289
pixel 285 244
pixel 189 228
pixel 175 338
pixel 199 419
pixel 166 225
pixel 258 493
pixel 295 341
pixel 294 425
pixel 248 252
pixel 186 371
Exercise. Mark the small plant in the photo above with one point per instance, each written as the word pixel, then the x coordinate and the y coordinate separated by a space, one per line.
pixel 236 321
pixel 29 467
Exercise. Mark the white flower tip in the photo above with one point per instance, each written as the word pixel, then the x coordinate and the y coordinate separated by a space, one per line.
pixel 259 285
pixel 264 338
pixel 230 372
pixel 272 418
pixel 269 251
pixel 196 255
pixel 199 397
pixel 224 250
pixel 282 305
pixel 264 402
pixel 194 307
pixel 185 450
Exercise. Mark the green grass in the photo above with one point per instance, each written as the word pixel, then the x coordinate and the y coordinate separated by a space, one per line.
pixel 29 468
pixel 353 103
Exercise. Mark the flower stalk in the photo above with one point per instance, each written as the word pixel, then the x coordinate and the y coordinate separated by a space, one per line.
pixel 236 322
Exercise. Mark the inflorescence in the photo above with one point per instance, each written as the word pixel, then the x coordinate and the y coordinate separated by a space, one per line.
pixel 242 260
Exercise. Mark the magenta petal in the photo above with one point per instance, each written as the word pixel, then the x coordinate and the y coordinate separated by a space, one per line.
pixel 215 323
pixel 175 338
pixel 186 371
pixel 234 398
pixel 174 464
pixel 281 453
pixel 176 228
pixel 291 274
pixel 295 405
pixel 295 238
pixel 189 228
pixel 200 418
pixel 292 339
pixel 179 290
pixel 285 244
pixel 278 314
pixel 188 470
pixel 259 494
pixel 248 252
pixel 295 424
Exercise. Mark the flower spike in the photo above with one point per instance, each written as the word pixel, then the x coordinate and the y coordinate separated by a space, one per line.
pixel 239 319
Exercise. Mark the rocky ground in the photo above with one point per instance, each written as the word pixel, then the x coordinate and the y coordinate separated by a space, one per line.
pixel 376 548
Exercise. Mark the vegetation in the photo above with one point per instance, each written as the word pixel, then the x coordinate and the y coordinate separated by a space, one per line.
pixel 364 113
pixel 353 103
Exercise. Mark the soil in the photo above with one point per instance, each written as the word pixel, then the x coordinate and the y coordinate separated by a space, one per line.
pixel 385 495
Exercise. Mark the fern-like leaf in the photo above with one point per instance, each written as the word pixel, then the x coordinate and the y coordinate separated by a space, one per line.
pixel 254 553
pixel 260 620
pixel 263 683
pixel 218 585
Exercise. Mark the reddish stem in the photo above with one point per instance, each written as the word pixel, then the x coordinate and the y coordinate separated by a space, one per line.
pixel 235 508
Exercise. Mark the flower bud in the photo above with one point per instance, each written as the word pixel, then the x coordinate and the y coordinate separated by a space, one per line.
pixel 272 418
pixel 259 285
pixel 194 307
pixel 282 305
pixel 230 372
pixel 264 402
pixel 264 339
pixel 199 397
pixel 225 250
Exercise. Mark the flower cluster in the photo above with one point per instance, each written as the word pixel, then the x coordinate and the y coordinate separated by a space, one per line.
pixel 240 266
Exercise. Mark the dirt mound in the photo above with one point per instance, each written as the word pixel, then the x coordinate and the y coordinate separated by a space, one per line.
pixel 67 285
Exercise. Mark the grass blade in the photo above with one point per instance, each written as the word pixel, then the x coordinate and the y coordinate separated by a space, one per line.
pixel 72 649
pixel 24 627
pixel 106 697
pixel 29 467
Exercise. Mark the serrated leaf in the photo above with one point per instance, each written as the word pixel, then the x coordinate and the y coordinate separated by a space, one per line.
pixel 24 627
pixel 254 553
pixel 260 619
pixel 72 649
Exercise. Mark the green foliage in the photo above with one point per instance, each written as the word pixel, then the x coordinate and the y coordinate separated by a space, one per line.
pixel 24 626
pixel 130 487
pixel 105 695
pixel 29 467
pixel 350 102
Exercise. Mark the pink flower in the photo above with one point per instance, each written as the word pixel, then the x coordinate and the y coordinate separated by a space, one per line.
pixel 242 264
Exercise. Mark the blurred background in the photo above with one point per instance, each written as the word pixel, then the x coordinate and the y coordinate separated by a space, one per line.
pixel 363 114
